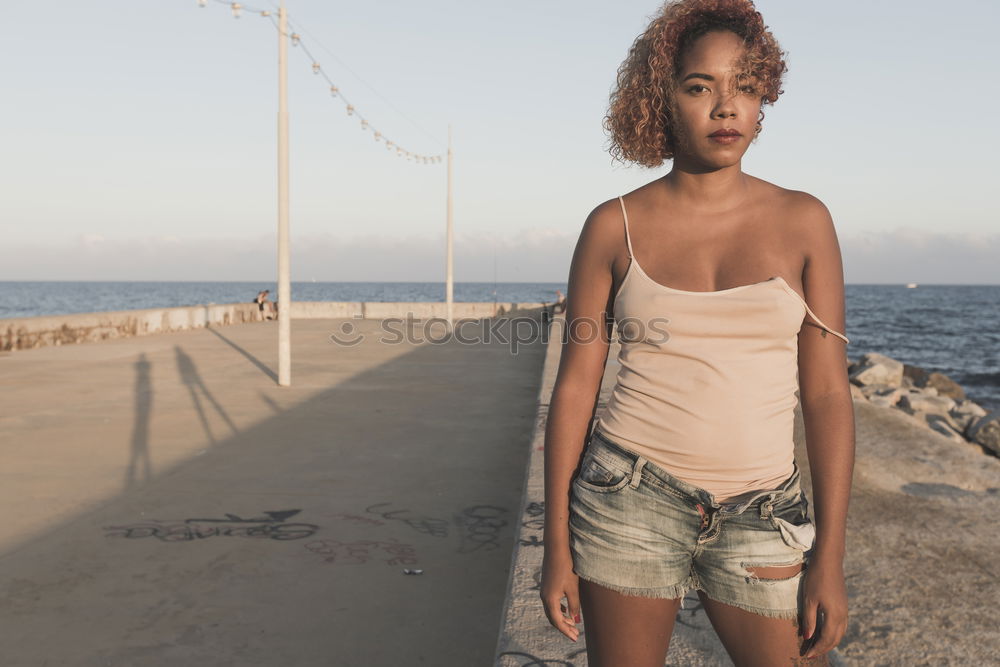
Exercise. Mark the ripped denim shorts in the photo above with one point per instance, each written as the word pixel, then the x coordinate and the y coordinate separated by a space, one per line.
pixel 638 530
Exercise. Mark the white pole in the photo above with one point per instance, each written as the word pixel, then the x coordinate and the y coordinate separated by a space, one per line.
pixel 449 273
pixel 284 286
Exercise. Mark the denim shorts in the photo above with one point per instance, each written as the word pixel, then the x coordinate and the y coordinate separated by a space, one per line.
pixel 636 529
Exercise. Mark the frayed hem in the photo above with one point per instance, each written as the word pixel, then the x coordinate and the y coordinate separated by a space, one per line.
pixel 786 614
pixel 668 592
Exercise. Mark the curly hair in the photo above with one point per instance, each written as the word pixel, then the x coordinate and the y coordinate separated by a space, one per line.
pixel 642 105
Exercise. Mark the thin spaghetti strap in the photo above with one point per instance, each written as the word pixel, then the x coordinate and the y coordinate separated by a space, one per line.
pixel 789 289
pixel 825 328
pixel 628 239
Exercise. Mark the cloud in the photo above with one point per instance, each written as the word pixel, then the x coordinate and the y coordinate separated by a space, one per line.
pixel 525 255
pixel 532 254
pixel 907 254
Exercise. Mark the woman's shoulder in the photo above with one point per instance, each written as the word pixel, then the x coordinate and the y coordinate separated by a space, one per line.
pixel 604 218
pixel 602 236
pixel 793 203
pixel 802 219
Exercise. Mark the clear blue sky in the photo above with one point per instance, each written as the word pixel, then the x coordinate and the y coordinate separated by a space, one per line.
pixel 139 138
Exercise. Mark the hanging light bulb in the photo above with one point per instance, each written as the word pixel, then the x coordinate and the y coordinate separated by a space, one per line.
pixel 364 124
pixel 350 110
pixel 295 39
pixel 202 3
pixel 378 135
pixel 315 68
pixel 236 9
pixel 399 151
pixel 265 13
pixel 334 90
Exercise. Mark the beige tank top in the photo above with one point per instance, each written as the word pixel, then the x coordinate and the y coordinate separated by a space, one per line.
pixel 706 388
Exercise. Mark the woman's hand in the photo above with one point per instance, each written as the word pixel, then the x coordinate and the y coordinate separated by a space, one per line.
pixel 824 593
pixel 558 580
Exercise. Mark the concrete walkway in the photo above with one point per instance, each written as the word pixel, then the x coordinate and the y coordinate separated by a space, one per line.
pixel 168 504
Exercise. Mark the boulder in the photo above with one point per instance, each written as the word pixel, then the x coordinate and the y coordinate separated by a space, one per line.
pixel 915 375
pixel 986 431
pixel 857 392
pixel 965 412
pixel 944 385
pixel 882 394
pixel 942 425
pixel 935 399
pixel 919 401
pixel 874 368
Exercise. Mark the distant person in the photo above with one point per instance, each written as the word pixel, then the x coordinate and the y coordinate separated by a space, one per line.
pixel 687 479
pixel 266 308
pixel 560 305
pixel 557 306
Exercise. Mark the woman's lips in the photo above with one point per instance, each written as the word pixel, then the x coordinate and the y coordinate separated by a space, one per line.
pixel 724 138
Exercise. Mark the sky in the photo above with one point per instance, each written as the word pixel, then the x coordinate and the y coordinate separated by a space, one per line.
pixel 140 136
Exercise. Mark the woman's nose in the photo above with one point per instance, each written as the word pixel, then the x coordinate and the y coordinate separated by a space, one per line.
pixel 725 106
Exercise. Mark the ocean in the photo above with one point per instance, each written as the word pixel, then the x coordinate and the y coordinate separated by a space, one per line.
pixel 953 329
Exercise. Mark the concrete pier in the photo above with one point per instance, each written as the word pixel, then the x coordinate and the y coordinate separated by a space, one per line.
pixel 168 504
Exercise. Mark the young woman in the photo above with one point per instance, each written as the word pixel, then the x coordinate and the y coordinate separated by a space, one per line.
pixel 717 282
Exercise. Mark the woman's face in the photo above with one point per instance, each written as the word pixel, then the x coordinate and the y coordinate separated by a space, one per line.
pixel 707 100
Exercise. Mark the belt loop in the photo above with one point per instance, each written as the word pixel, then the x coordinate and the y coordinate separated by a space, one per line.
pixel 637 472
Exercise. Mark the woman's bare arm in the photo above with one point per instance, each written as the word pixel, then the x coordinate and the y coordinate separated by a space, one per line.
pixel 828 413
pixel 574 397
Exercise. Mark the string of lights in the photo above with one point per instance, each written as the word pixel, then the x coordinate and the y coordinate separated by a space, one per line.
pixel 295 26
pixel 335 91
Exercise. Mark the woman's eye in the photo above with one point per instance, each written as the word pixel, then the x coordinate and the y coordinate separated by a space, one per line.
pixel 697 88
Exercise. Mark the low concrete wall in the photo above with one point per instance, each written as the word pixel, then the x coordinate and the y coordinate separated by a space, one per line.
pixel 30 332
pixel 377 310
